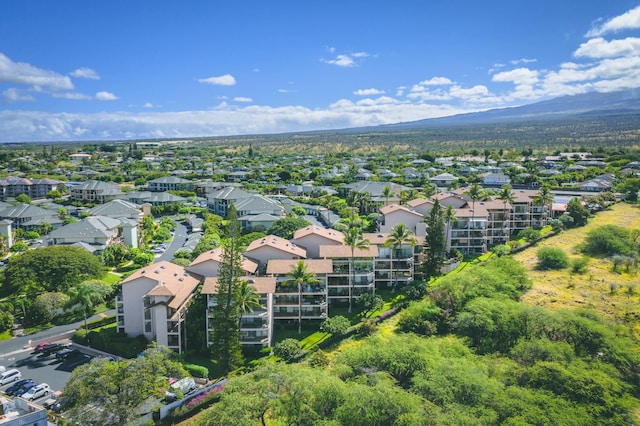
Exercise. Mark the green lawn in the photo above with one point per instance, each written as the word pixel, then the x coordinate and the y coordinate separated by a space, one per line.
pixel 5 335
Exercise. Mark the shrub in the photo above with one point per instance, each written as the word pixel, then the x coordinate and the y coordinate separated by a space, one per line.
pixel 609 240
pixel 336 325
pixel 552 258
pixel 579 266
pixel 196 370
pixel 288 349
pixel 368 327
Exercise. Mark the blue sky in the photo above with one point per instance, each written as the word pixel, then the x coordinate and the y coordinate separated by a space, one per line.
pixel 113 70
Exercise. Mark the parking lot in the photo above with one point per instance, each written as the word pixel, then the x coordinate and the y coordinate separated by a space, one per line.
pixel 42 369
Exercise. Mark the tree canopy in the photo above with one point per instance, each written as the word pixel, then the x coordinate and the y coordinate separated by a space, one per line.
pixel 55 268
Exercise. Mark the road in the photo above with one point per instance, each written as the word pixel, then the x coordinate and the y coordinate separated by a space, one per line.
pixel 22 342
pixel 179 238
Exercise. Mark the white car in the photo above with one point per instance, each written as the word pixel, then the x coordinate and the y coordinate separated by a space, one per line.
pixel 36 392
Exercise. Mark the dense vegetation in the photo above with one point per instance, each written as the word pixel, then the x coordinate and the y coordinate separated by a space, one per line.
pixel 468 354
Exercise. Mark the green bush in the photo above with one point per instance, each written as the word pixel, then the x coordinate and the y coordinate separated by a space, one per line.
pixel 551 258
pixel 579 266
pixel 196 370
pixel 288 349
pixel 609 240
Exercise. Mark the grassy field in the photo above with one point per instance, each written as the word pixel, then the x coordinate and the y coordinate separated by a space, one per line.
pixel 612 294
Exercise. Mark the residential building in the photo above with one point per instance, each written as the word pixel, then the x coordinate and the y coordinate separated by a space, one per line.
pixel 443 179
pixel 34 188
pixel 256 327
pixel 29 216
pixel 496 179
pixel 20 412
pixel 96 231
pixel 360 273
pixel 393 265
pixel 219 201
pixel 169 183
pixel 312 237
pixel 469 230
pixel 119 209
pixel 208 263
pixel 94 191
pixel 258 210
pixel 153 302
pixel 273 247
pixel 394 214
pixel 305 302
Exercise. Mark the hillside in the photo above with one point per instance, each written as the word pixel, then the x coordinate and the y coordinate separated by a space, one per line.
pixel 593 289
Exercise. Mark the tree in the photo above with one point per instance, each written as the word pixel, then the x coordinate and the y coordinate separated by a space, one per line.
pixel 288 349
pixel 435 242
pixel 89 293
pixel 248 299
pixel 544 199
pixel 23 199
pixel 400 235
pixel 111 393
pixel 507 197
pixel 337 325
pixel 577 212
pixel 551 258
pixel 387 192
pixel 114 254
pixel 450 217
pixel 475 193
pixel 370 302
pixel 225 335
pixel 300 276
pixel 287 226
pixel 54 268
pixel 50 302
pixel 354 240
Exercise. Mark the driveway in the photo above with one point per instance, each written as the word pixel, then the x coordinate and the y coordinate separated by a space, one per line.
pixel 179 238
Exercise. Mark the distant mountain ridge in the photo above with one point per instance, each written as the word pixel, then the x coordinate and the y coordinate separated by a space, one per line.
pixel 593 103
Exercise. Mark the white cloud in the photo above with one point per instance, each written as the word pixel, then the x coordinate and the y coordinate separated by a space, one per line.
pixel 627 21
pixel 106 96
pixel 13 95
pixel 223 80
pixel 242 99
pixel 23 73
pixel 522 61
pixel 148 105
pixel 74 96
pixel 368 92
pixel 472 93
pixel 601 48
pixel 85 72
pixel 436 81
pixel 517 76
pixel 345 60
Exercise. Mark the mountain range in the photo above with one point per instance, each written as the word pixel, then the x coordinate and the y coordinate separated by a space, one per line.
pixel 588 104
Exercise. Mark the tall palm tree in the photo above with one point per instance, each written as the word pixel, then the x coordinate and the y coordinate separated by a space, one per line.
pixel 544 198
pixel 450 217
pixel 247 299
pixel 354 240
pixel 507 196
pixel 475 193
pixel 87 294
pixel 298 276
pixel 399 235
pixel 387 192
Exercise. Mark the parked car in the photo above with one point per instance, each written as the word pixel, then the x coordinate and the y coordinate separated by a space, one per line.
pixel 67 353
pixel 59 405
pixel 53 398
pixel 36 392
pixel 50 349
pixel 179 387
pixel 40 347
pixel 17 385
pixel 24 388
pixel 9 376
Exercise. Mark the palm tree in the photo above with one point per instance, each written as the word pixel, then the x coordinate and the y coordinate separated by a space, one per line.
pixel 475 193
pixel 247 299
pixel 506 195
pixel 354 240
pixel 544 198
pixel 399 235
pixel 450 217
pixel 87 294
pixel 387 192
pixel 299 276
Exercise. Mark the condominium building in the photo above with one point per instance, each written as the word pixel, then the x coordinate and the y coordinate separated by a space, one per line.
pixel 256 327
